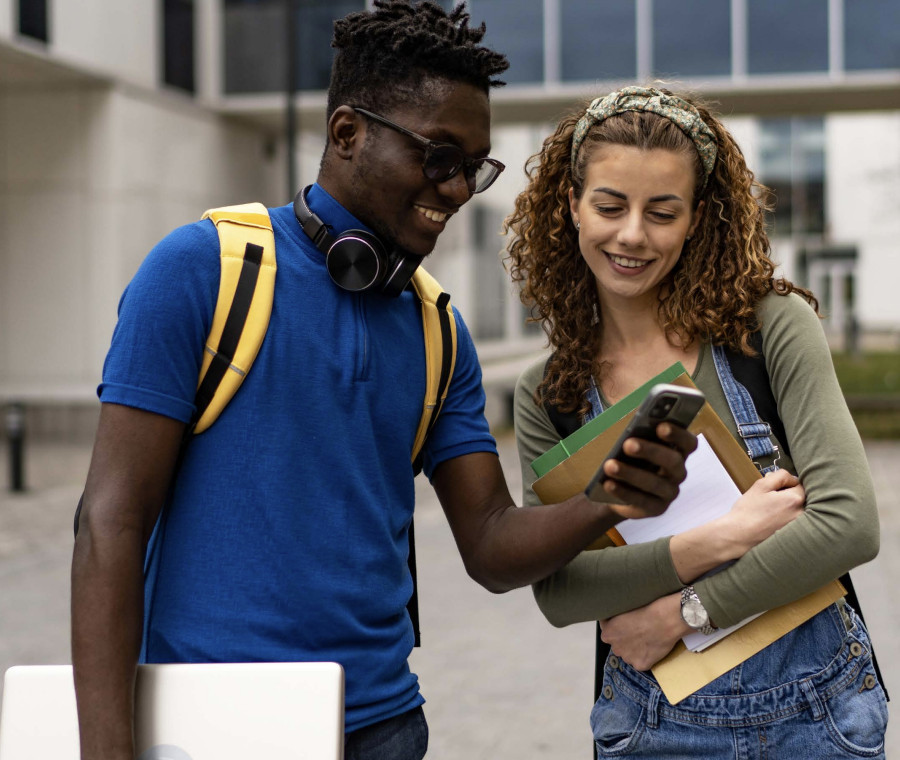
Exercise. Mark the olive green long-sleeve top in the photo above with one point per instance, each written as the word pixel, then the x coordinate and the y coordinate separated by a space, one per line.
pixel 837 531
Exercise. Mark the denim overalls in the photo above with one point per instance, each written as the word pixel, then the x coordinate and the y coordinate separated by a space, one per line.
pixel 811 695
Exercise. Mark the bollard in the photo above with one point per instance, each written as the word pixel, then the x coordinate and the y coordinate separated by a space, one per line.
pixel 14 424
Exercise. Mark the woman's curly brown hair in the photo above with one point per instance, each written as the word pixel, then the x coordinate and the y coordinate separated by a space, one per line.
pixel 710 295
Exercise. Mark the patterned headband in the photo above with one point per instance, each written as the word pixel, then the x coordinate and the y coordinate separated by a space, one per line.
pixel 675 109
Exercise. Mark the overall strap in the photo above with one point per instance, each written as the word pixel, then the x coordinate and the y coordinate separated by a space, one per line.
pixel 566 423
pixel 752 430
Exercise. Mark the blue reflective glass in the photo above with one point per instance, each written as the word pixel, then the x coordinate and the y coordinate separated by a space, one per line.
pixel 516 29
pixel 786 37
pixel 598 39
pixel 256 43
pixel 692 38
pixel 792 166
pixel 871 34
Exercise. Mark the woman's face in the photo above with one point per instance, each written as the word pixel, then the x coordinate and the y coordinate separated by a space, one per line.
pixel 635 213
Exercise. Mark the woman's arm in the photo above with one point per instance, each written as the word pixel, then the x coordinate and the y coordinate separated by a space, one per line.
pixel 600 584
pixel 570 595
pixel 770 504
pixel 839 527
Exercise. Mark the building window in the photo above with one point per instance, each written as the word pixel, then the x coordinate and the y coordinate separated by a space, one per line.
pixel 490 281
pixel 33 19
pixel 692 38
pixel 870 34
pixel 256 43
pixel 792 165
pixel 786 37
pixel 599 40
pixel 178 44
pixel 516 29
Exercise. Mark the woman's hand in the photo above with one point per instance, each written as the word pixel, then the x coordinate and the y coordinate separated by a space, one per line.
pixel 643 636
pixel 767 506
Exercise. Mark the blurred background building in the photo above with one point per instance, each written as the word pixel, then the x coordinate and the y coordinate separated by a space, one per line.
pixel 121 119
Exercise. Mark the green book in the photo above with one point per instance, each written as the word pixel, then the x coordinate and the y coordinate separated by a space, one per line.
pixel 590 430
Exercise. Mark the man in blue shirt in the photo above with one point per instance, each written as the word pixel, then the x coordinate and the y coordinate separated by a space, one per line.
pixel 284 537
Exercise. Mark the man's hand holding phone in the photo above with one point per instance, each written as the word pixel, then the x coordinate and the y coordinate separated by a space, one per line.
pixel 644 469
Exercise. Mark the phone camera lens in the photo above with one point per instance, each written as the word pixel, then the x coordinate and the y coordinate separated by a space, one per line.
pixel 663 406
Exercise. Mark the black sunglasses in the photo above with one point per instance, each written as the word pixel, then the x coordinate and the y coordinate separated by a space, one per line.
pixel 444 160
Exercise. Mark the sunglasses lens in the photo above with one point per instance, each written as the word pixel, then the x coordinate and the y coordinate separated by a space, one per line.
pixel 443 162
pixel 484 173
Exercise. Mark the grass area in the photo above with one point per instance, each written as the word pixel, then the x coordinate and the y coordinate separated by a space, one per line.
pixel 871 383
pixel 869 374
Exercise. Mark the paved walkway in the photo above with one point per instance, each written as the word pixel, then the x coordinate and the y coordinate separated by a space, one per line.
pixel 501 683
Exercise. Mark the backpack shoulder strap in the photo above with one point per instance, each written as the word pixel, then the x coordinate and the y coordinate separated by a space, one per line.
pixel 565 423
pixel 439 327
pixel 243 308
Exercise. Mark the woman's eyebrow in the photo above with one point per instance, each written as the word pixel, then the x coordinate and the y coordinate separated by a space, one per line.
pixel 654 199
pixel 610 191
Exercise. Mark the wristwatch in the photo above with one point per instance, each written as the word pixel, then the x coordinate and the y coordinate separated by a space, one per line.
pixel 694 613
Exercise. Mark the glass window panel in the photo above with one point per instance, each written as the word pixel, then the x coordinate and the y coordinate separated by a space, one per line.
pixel 33 19
pixel 316 28
pixel 516 29
pixel 787 36
pixel 809 176
pixel 792 164
pixel 490 281
pixel 178 43
pixel 598 39
pixel 691 37
pixel 870 34
pixel 255 45
pixel 256 39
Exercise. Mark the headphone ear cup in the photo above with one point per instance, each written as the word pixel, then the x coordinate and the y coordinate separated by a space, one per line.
pixel 356 260
pixel 399 274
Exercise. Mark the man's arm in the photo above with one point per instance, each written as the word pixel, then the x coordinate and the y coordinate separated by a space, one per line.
pixel 134 457
pixel 504 547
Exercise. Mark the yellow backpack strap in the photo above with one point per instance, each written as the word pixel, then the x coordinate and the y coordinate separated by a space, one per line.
pixel 440 353
pixel 246 292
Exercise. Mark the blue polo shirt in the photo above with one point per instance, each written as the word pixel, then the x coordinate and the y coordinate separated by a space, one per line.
pixel 286 535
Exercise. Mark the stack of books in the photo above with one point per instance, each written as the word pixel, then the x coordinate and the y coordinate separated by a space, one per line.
pixel 717 473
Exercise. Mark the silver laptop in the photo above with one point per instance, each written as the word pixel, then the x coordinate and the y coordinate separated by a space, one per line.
pixel 270 711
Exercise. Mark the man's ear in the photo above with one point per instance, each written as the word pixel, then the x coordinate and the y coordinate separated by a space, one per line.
pixel 345 132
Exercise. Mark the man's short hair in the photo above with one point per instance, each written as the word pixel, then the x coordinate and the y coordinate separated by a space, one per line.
pixel 384 56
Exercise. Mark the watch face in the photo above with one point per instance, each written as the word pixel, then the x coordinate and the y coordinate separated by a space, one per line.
pixel 694 613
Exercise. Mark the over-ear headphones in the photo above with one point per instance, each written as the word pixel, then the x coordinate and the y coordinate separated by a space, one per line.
pixel 357 260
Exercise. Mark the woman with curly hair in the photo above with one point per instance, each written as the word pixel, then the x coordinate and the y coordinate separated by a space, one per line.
pixel 640 241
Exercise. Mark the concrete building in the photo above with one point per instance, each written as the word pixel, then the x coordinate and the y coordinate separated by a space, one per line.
pixel 121 119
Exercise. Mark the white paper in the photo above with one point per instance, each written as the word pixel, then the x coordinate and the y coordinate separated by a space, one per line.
pixel 697 641
pixel 707 492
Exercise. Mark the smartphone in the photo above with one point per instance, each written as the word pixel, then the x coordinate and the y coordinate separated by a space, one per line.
pixel 664 403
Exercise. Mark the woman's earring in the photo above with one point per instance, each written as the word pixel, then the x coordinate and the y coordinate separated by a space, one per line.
pixel 577 225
